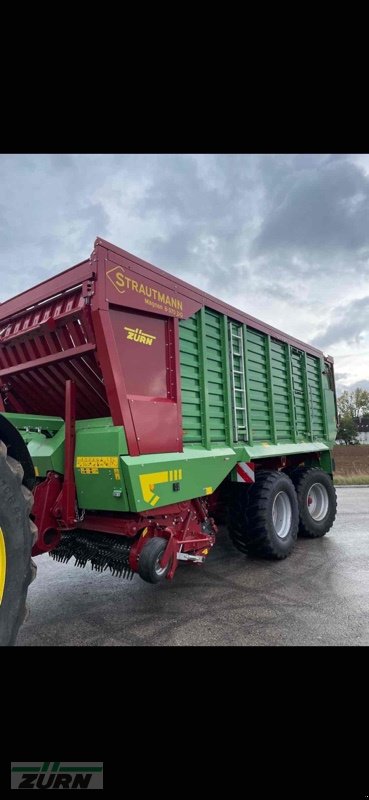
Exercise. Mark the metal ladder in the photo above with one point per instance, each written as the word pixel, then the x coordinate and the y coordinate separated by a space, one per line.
pixel 238 392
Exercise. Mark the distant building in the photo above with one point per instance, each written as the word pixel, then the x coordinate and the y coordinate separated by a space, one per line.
pixel 363 430
pixel 362 424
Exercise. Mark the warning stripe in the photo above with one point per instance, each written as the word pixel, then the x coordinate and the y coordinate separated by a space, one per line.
pixel 245 472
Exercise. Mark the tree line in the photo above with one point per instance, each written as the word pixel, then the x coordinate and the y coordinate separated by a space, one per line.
pixel 352 408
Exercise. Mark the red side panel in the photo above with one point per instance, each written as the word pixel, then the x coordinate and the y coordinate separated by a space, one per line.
pixel 142 343
pixel 145 346
pixel 156 426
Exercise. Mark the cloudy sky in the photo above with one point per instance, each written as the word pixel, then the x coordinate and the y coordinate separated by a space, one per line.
pixel 283 237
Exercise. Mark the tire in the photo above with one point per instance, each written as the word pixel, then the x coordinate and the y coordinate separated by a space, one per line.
pixel 317 501
pixel 148 565
pixel 264 519
pixel 17 536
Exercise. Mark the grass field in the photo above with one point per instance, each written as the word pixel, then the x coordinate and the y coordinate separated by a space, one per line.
pixel 351 480
pixel 352 464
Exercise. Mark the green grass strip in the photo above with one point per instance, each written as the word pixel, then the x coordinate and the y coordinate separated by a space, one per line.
pixel 64 769
pixel 348 480
pixel 81 769
pixel 25 769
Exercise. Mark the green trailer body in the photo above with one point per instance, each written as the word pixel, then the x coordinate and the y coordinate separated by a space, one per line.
pixel 248 389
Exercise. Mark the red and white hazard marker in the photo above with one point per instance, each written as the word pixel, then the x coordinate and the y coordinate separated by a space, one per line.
pixel 245 472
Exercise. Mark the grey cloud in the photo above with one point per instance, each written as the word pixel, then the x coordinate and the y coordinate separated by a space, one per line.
pixel 317 208
pixel 48 219
pixel 275 289
pixel 363 384
pixel 351 323
pixel 207 208
pixel 87 222
pixel 95 221
pixel 48 245
pixel 179 189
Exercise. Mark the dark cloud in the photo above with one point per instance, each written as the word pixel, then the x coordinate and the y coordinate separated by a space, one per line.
pixel 205 213
pixel 349 325
pixel 319 207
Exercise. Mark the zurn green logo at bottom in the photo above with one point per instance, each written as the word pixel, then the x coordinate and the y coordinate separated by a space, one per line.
pixel 56 775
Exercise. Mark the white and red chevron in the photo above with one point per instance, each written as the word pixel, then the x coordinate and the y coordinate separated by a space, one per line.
pixel 245 472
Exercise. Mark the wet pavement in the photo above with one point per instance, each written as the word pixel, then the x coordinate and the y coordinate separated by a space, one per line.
pixel 317 596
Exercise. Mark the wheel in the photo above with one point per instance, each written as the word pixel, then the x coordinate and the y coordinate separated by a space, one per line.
pixel 17 535
pixel 264 519
pixel 149 561
pixel 317 501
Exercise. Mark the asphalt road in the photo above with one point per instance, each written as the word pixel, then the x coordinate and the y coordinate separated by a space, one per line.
pixel 317 596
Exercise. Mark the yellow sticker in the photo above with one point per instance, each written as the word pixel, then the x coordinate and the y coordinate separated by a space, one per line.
pixel 2 564
pixel 37 472
pixel 97 462
pixel 117 474
pixel 208 490
pixel 137 335
pixel 149 481
pixel 116 276
pixel 89 471
pixel 175 474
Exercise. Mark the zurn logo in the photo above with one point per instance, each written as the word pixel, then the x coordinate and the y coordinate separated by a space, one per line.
pixel 56 775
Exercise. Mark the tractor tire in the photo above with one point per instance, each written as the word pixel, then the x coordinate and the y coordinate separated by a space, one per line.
pixel 17 536
pixel 264 518
pixel 149 561
pixel 317 501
